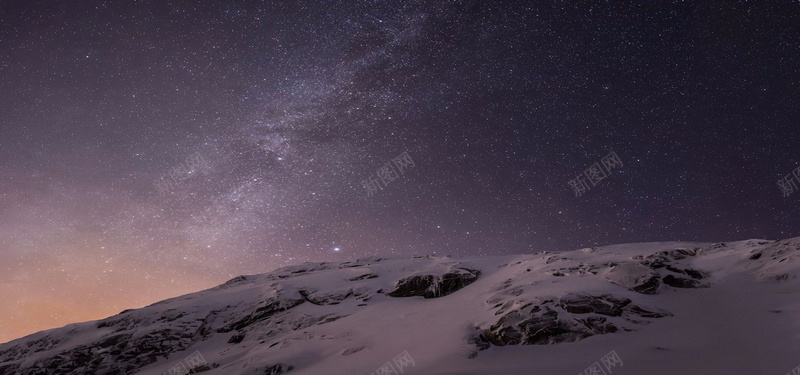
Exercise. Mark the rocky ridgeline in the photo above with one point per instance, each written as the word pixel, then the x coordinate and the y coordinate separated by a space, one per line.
pixel 268 308
pixel 135 340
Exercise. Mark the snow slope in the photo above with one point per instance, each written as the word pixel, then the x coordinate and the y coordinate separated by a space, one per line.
pixel 661 308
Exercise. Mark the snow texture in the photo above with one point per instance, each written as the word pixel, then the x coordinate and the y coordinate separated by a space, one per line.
pixel 659 308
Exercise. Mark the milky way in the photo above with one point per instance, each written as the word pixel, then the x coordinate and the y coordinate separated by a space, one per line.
pixel 154 148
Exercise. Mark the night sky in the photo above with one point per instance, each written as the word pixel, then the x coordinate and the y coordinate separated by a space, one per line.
pixel 154 148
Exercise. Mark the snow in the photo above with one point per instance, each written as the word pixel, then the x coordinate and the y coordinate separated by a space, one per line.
pixel 747 321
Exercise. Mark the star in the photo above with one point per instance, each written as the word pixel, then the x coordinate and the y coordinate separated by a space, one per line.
pixel 235 139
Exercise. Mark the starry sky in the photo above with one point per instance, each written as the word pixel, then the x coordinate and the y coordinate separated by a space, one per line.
pixel 153 148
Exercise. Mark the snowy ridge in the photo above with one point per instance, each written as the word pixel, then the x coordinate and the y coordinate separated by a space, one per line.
pixel 663 308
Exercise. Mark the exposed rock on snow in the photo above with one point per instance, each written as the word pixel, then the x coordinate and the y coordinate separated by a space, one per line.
pixel 662 258
pixel 554 320
pixel 635 276
pixel 431 286
pixel 265 310
pixel 777 261
pixel 277 369
pixel 335 297
pixel 680 282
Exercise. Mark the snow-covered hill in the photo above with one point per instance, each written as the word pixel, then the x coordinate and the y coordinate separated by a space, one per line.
pixel 652 308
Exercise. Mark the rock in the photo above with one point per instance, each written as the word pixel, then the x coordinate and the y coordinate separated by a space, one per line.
pixel 538 326
pixel 636 277
pixel 233 281
pixel 679 282
pixel 580 269
pixel 543 324
pixel 779 277
pixel 277 369
pixel 364 277
pixel 663 258
pixel 477 339
pixel 322 299
pixel 237 338
pixel 584 304
pixel 268 308
pixel 199 369
pixel 430 286
pixel 599 325
pixel 636 310
pixel 696 274
pixel 412 286
pixel 353 350
pixel 650 286
pixel 453 281
pixel 778 261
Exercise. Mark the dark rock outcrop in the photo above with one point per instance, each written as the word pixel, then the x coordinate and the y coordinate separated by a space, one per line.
pixel 551 321
pixel 237 338
pixel 537 326
pixel 364 277
pixel 584 304
pixel 269 308
pixel 680 282
pixel 773 260
pixel 664 258
pixel 430 286
pixel 636 277
pixel 413 286
pixel 277 369
pixel 695 274
pixel 649 286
